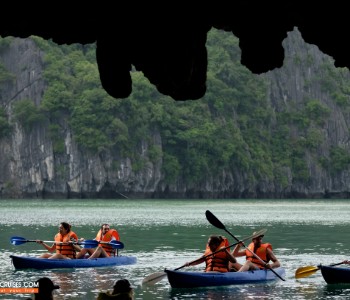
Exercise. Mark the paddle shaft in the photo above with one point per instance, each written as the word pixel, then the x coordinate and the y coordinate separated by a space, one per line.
pixel 86 244
pixel 18 240
pixel 54 242
pixel 337 264
pixel 93 242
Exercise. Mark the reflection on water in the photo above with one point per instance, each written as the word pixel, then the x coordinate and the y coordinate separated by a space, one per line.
pixel 166 234
pixel 244 292
pixel 336 290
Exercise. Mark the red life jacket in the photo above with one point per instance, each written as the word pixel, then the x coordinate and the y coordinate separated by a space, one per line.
pixel 217 262
pixel 111 234
pixel 260 252
pixel 67 250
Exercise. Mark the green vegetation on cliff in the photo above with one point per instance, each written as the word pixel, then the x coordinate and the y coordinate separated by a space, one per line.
pixel 232 128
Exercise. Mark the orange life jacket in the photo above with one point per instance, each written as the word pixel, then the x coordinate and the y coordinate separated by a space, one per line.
pixel 110 234
pixel 260 252
pixel 67 250
pixel 217 262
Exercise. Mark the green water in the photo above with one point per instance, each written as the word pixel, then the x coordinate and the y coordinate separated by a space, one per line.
pixel 168 233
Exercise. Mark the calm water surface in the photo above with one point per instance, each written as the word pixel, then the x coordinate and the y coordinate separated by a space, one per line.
pixel 168 233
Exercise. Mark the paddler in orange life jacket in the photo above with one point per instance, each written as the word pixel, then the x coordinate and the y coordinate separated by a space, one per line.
pixel 63 243
pixel 105 234
pixel 220 260
pixel 263 251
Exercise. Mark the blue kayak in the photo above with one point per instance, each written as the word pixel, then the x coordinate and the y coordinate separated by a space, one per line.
pixel 335 275
pixel 183 279
pixel 27 262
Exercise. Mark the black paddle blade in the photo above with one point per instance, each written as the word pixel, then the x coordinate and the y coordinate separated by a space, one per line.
pixel 214 220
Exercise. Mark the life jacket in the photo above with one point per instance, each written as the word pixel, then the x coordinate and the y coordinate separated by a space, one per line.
pixel 110 235
pixel 67 250
pixel 217 262
pixel 260 252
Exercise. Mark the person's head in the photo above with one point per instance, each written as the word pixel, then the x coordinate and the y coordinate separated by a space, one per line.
pixel 122 286
pixel 105 228
pixel 257 239
pixel 46 287
pixel 64 228
pixel 214 241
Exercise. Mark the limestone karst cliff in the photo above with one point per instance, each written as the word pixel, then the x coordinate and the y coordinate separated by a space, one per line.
pixel 306 111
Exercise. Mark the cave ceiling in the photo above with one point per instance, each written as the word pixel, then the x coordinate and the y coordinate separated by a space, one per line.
pixel 167 41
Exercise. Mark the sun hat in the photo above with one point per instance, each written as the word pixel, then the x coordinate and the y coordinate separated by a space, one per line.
pixel 257 234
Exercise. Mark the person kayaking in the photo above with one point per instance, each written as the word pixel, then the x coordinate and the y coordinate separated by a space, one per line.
pixel 216 260
pixel 63 245
pixel 263 255
pixel 105 234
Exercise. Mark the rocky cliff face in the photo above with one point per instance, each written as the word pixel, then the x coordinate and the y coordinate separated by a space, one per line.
pixel 304 77
pixel 30 168
pixel 28 164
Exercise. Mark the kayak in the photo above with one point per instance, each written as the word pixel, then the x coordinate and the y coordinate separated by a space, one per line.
pixel 335 274
pixel 27 262
pixel 183 279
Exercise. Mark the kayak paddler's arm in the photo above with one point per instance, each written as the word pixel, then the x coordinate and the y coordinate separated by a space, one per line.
pixel 230 257
pixel 236 250
pixel 48 248
pixel 273 258
pixel 233 261
pixel 76 247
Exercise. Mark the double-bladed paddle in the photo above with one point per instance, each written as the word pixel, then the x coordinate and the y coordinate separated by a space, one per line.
pixel 309 270
pixel 158 276
pixel 17 240
pixel 217 223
